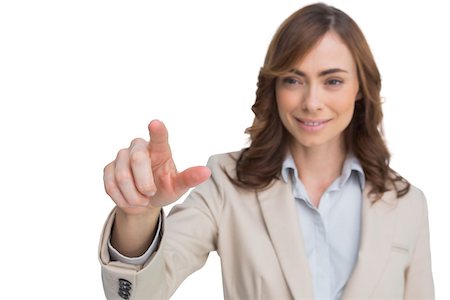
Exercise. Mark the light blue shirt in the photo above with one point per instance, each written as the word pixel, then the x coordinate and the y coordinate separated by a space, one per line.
pixel 331 232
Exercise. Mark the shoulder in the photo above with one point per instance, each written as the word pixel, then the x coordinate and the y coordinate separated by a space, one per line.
pixel 223 174
pixel 411 210
pixel 415 193
pixel 224 159
pixel 411 206
pixel 411 217
pixel 414 201
pixel 220 190
pixel 224 163
pixel 410 195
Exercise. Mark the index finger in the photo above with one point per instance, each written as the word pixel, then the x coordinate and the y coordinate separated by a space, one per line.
pixel 159 138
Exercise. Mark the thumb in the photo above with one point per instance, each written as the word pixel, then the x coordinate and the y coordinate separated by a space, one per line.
pixel 191 177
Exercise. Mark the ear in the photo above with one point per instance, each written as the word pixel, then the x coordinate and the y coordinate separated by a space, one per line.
pixel 359 96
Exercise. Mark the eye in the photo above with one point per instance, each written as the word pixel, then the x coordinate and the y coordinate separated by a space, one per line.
pixel 334 82
pixel 291 81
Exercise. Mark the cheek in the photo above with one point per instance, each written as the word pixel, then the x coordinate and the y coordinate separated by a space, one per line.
pixel 286 101
pixel 344 104
pixel 346 107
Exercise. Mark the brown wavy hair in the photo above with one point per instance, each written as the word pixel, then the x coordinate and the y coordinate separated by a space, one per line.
pixel 260 163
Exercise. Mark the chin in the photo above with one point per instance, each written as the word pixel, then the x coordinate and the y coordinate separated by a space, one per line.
pixel 309 143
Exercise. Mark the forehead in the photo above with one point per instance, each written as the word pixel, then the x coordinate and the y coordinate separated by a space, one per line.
pixel 329 52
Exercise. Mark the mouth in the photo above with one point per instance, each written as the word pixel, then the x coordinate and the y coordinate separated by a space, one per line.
pixel 312 125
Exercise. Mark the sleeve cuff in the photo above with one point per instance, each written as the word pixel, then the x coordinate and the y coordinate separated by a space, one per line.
pixel 116 256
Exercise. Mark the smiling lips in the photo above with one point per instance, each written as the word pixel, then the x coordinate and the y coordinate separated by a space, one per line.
pixel 312 125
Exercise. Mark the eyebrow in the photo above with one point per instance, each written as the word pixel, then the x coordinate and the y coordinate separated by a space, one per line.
pixel 322 73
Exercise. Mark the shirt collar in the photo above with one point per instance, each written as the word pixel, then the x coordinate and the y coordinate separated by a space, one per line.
pixel 351 164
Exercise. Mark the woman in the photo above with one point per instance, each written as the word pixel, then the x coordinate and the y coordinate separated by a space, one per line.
pixel 310 210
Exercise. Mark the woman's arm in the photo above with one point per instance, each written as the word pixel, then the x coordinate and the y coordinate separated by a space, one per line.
pixel 186 238
pixel 419 278
pixel 141 180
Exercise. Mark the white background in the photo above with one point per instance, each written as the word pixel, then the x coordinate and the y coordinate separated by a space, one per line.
pixel 80 79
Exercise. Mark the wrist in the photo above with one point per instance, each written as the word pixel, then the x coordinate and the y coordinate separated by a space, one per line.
pixel 133 233
pixel 137 214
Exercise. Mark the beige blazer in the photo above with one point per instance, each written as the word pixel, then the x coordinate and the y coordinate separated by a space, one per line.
pixel 261 248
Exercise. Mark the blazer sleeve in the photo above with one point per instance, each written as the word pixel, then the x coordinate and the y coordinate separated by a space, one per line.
pixel 419 278
pixel 188 234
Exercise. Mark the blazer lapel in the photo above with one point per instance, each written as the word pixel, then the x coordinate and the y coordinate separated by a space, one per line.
pixel 377 229
pixel 279 213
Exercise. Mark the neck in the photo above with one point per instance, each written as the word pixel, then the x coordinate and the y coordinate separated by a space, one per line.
pixel 319 166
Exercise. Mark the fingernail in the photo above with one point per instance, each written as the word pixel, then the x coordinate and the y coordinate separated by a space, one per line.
pixel 151 194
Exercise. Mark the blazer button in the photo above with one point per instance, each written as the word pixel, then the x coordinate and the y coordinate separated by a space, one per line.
pixel 124 288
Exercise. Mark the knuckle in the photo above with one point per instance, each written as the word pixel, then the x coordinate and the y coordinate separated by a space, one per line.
pixel 108 179
pixel 107 169
pixel 145 188
pixel 137 141
pixel 137 157
pixel 123 176
pixel 122 152
pixel 110 187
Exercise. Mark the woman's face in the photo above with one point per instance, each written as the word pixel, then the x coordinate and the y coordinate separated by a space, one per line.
pixel 316 99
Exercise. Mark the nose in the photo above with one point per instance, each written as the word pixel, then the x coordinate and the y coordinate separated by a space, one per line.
pixel 312 99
